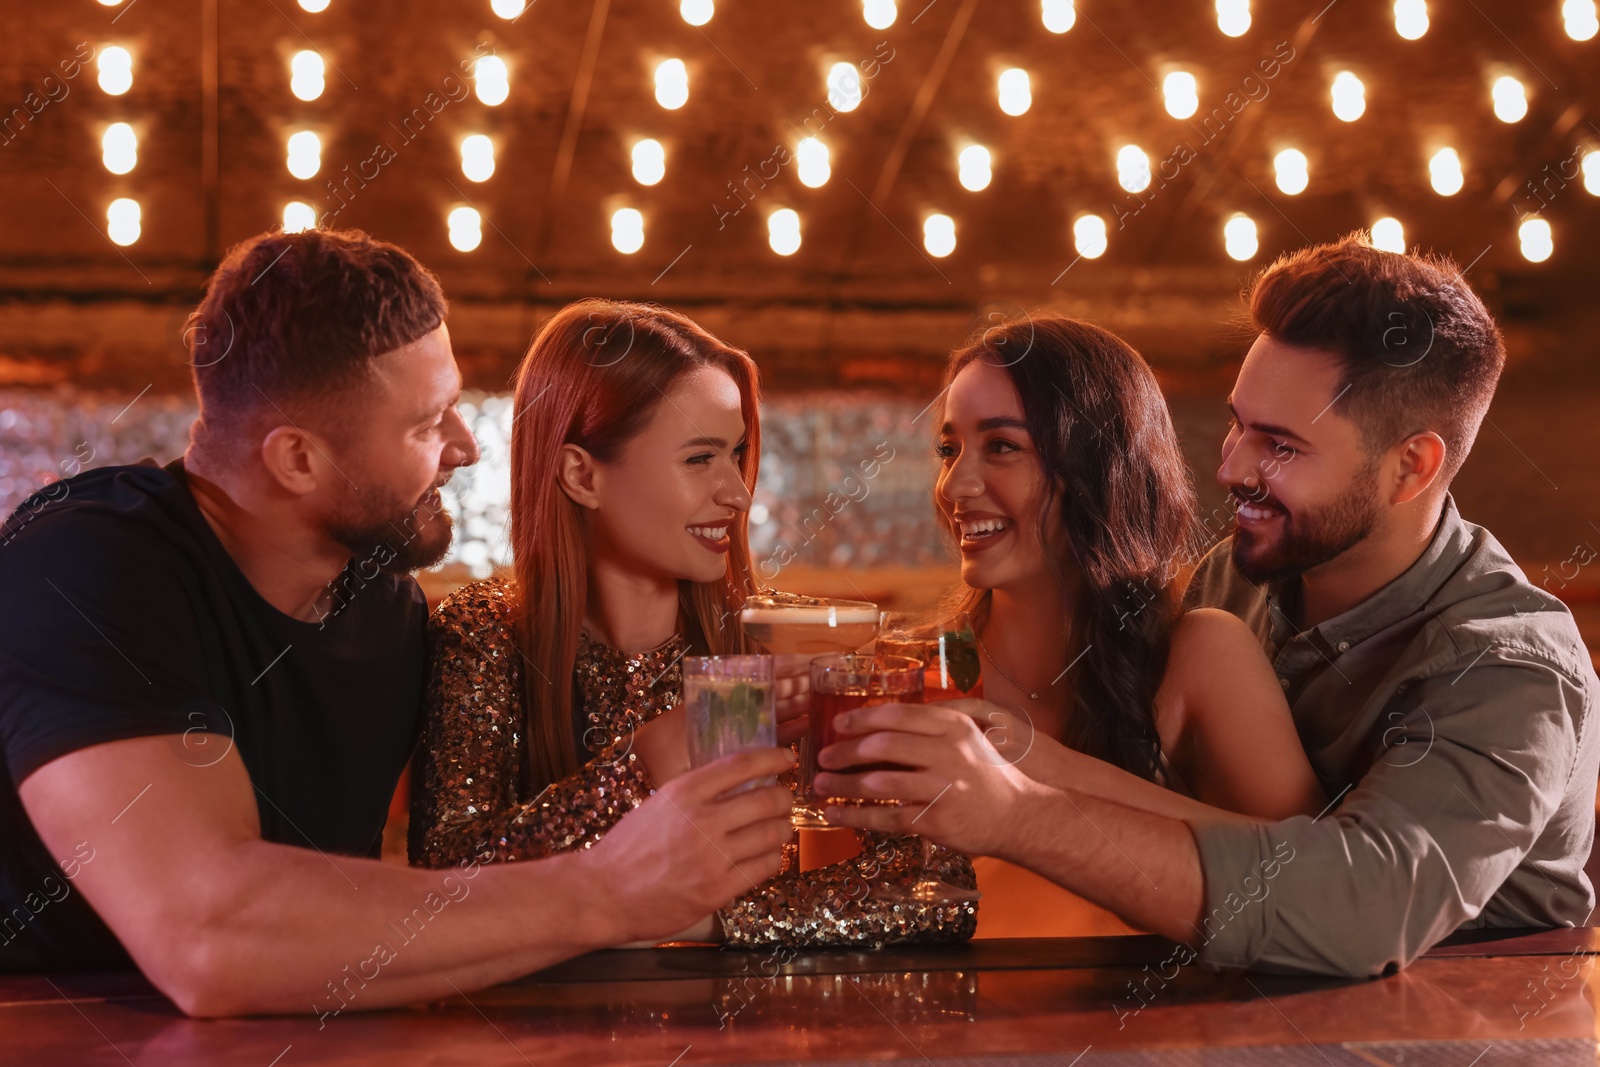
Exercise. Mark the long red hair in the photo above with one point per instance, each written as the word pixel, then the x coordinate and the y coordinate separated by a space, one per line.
pixel 592 377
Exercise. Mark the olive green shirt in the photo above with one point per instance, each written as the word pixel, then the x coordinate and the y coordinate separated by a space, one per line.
pixel 1450 717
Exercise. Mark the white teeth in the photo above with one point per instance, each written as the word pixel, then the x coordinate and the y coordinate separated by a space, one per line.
pixel 972 529
pixel 710 533
pixel 1254 514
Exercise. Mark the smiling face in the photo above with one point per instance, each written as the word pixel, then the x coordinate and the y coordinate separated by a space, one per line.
pixel 667 503
pixel 991 483
pixel 1305 488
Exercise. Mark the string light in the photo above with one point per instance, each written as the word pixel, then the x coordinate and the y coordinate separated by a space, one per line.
pixel 305 154
pixel 1582 23
pixel 1349 96
pixel 1182 94
pixel 939 235
pixel 1411 18
pixel 811 159
pixel 649 161
pixel 123 221
pixel 672 84
pixel 508 9
pixel 1591 172
pixel 1016 91
pixel 466 228
pixel 1239 237
pixel 1059 15
pixel 1233 17
pixel 306 73
pixel 1089 236
pixel 492 80
pixel 314 6
pixel 1133 168
pixel 1510 99
pixel 974 167
pixel 477 157
pixel 1444 172
pixel 299 217
pixel 880 14
pixel 844 87
pixel 115 64
pixel 119 148
pixel 1293 171
pixel 627 230
pixel 783 231
pixel 1537 240
pixel 1389 236
pixel 697 12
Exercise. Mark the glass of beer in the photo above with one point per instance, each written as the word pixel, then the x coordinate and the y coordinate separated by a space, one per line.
pixel 840 683
pixel 787 624
pixel 730 701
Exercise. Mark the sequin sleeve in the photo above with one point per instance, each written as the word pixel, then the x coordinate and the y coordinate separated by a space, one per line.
pixel 833 905
pixel 465 789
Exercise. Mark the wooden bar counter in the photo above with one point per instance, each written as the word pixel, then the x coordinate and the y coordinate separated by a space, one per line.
pixel 1475 1002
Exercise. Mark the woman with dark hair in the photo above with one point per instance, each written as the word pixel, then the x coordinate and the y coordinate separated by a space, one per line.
pixel 552 706
pixel 1063 484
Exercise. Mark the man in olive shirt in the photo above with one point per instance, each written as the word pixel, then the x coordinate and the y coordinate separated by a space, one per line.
pixel 1444 702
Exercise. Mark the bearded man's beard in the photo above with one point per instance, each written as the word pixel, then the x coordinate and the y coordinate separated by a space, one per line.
pixel 398 536
pixel 1307 538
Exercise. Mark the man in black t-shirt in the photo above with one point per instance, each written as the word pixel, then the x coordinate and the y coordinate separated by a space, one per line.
pixel 210 676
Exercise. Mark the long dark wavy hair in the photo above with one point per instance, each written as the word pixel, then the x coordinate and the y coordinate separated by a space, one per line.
pixel 1117 523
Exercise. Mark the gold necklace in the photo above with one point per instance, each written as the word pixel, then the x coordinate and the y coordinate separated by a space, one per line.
pixel 996 664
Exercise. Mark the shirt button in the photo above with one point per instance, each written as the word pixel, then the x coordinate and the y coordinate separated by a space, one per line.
pixel 1344 646
pixel 1283 682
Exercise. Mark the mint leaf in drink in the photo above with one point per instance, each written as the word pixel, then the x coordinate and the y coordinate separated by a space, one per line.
pixel 960 651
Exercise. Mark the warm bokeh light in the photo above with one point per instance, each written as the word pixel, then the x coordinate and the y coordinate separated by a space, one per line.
pixel 508 9
pixel 466 228
pixel 1444 172
pixel 844 87
pixel 1239 237
pixel 1233 17
pixel 304 154
pixel 1059 15
pixel 697 12
pixel 879 14
pixel 1580 18
pixel 492 80
pixel 1591 172
pixel 1349 96
pixel 1389 235
pixel 811 163
pixel 649 161
pixel 306 75
pixel 1510 99
pixel 627 230
pixel 672 84
pixel 119 148
pixel 975 168
pixel 1182 93
pixel 477 157
pixel 1016 91
pixel 1537 240
pixel 115 64
pixel 298 217
pixel 1292 171
pixel 1133 168
pixel 1411 18
pixel 783 231
pixel 314 6
pixel 939 235
pixel 123 221
pixel 1089 236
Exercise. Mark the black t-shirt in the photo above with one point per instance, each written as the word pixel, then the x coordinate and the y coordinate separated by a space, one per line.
pixel 121 616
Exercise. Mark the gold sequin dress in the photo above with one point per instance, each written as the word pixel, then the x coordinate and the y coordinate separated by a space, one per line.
pixel 468 799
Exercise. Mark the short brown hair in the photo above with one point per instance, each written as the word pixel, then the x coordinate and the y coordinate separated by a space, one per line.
pixel 291 319
pixel 1418 349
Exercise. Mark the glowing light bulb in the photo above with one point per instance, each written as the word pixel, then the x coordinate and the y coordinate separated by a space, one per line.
pixel 115 64
pixel 492 80
pixel 844 87
pixel 1133 169
pixel 1582 22
pixel 1389 236
pixel 477 157
pixel 1239 237
pixel 1182 94
pixel 974 167
pixel 1411 18
pixel 697 12
pixel 508 9
pixel 1016 91
pixel 811 160
pixel 1233 17
pixel 1444 172
pixel 880 14
pixel 466 228
pixel 783 231
pixel 1292 170
pixel 1349 96
pixel 119 148
pixel 1089 236
pixel 1059 15
pixel 1537 243
pixel 305 154
pixel 649 161
pixel 627 230
pixel 1591 172
pixel 1510 99
pixel 123 221
pixel 298 217
pixel 939 235
pixel 306 74
pixel 672 84
pixel 314 6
